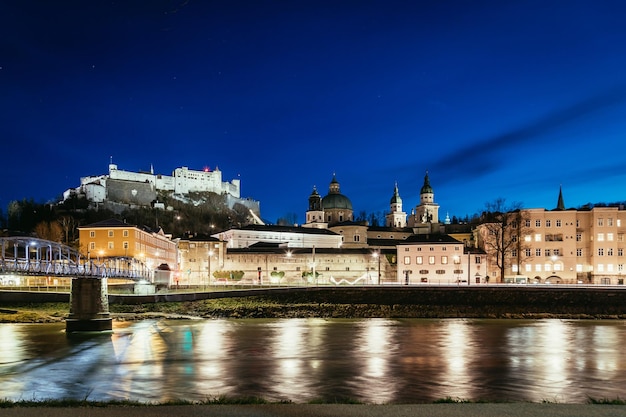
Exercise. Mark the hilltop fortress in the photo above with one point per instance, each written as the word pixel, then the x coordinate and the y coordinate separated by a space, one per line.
pixel 141 188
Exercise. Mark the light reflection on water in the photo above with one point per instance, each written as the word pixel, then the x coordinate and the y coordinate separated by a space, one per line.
pixel 300 360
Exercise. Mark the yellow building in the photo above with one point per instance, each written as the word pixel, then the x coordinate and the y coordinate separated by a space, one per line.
pixel 114 238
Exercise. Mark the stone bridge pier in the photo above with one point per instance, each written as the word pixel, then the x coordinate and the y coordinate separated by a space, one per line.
pixel 89 306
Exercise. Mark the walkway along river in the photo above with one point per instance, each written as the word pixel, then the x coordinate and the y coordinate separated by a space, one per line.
pixel 301 360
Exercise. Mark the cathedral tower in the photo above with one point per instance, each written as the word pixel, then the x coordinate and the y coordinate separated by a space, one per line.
pixel 396 217
pixel 427 211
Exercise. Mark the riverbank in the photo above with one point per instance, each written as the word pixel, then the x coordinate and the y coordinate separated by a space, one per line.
pixel 331 410
pixel 513 303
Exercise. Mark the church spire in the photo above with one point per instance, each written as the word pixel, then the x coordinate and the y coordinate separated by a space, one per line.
pixel 560 205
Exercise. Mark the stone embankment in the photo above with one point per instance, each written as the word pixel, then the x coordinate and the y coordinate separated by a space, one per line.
pixel 501 301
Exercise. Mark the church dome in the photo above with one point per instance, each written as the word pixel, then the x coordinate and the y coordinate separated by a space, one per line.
pixel 334 199
pixel 426 188
pixel 395 199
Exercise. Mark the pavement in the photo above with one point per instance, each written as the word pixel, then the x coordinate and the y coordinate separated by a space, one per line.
pixel 327 410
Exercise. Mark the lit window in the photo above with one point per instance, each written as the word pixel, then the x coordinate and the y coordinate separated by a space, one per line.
pixel 444 260
pixel 600 237
pixel 600 267
pixel 558 267
pixel 419 260
pixel 609 237
pixel 527 238
pixel 609 267
pixel 579 268
pixel 547 267
pixel 407 260
pixel 538 237
pixel 538 267
pixel 528 268
pixel 513 268
pixel 431 260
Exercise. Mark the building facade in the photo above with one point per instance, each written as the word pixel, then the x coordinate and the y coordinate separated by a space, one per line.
pixel 115 239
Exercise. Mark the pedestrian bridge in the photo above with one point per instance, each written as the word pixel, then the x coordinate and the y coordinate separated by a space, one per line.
pixel 32 256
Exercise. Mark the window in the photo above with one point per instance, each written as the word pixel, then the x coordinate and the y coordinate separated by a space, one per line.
pixel 431 260
pixel 558 223
pixel 513 253
pixel 457 260
pixel 92 233
pixel 579 252
pixel 609 237
pixel 357 238
pixel 609 252
pixel 440 271
pixel 514 238
pixel 600 267
pixel 92 245
pixel 110 233
pixel 110 245
pixel 527 238
pixel 125 245
pixel 125 233
pixel 527 252
pixel 537 223
pixel 609 222
pixel 514 224
pixel 444 260
pixel 620 252
pixel 537 252
pixel 600 222
pixel 547 252
pixel 419 249
pixel 432 249
pixel 620 267
pixel 548 223
pixel 620 237
pixel 514 268
pixel 424 271
pixel 579 268
pixel 538 267
pixel 577 223
pixel 527 223
pixel 407 260
pixel 477 259
pixel 537 237
pixel 528 267
pixel 600 237
pixel 557 252
pixel 600 251
pixel 419 260
pixel 406 249
pixel 579 237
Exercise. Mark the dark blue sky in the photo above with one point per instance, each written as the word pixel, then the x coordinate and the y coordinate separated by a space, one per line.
pixel 495 99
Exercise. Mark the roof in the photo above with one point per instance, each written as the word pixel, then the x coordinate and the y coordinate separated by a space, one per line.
pixel 107 223
pixel 286 229
pixel 435 238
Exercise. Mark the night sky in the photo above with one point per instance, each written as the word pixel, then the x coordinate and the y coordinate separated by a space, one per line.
pixel 507 99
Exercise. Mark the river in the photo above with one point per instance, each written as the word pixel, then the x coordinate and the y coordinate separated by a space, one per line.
pixel 303 360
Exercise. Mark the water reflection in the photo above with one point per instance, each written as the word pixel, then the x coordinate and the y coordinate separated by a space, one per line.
pixel 374 360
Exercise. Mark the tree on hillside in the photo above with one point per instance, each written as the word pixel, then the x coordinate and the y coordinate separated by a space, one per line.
pixel 49 231
pixel 501 231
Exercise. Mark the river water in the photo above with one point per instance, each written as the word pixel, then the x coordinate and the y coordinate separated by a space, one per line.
pixel 302 360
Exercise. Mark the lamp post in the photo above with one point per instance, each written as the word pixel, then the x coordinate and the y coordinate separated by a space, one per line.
pixel 209 275
pixel 377 256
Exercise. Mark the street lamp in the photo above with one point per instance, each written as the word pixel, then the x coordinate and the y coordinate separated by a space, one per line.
pixel 209 275
pixel 376 255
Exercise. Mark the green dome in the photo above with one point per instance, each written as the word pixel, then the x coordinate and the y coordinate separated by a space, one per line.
pixel 426 188
pixel 336 201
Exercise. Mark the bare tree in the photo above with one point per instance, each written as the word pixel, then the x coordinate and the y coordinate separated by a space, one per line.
pixel 49 231
pixel 68 224
pixel 502 230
